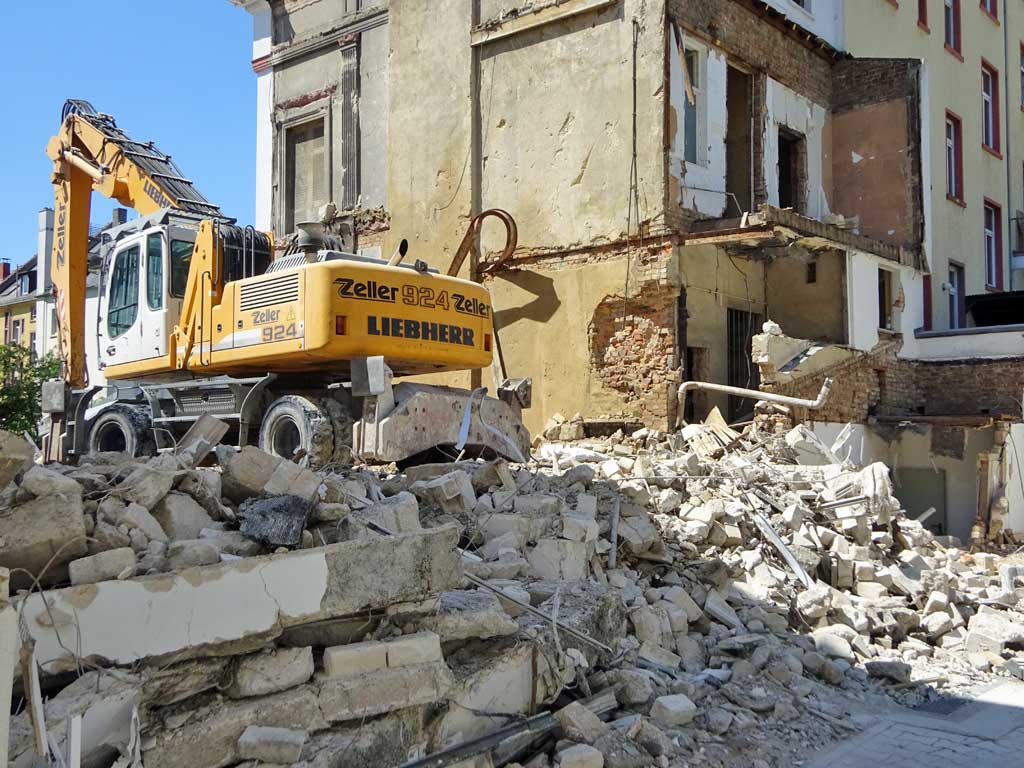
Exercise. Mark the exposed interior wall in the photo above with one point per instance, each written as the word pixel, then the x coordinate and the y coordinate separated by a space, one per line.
pixel 1015 477
pixel 556 107
pixel 714 282
pixel 571 325
pixel 808 310
pixel 876 148
pixel 823 18
pixel 787 109
pixel 913 448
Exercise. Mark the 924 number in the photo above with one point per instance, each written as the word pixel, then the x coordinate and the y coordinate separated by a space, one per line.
pixel 279 332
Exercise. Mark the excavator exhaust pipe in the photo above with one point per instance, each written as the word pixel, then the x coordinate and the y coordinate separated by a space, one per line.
pixel 399 254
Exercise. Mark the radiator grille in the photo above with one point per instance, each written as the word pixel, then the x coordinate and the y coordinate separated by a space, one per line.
pixel 280 290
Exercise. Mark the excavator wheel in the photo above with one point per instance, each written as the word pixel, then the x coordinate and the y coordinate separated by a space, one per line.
pixel 124 429
pixel 295 423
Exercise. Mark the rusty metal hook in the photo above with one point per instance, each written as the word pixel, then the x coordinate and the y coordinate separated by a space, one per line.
pixel 469 241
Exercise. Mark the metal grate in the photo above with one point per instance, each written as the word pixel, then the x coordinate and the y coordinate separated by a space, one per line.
pixel 194 404
pixel 278 290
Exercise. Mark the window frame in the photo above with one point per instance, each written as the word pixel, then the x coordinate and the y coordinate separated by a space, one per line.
pixel 990 110
pixel 922 15
pixel 990 8
pixel 956 275
pixel 955 195
pixel 112 310
pixel 1022 75
pixel 700 106
pixel 159 238
pixel 287 122
pixel 993 257
pixel 952 25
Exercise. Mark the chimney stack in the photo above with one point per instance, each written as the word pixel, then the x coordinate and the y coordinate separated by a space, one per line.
pixel 120 216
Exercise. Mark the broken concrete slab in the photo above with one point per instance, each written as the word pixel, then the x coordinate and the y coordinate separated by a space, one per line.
pixel 196 612
pixel 137 516
pixel 558 559
pixel 452 492
pixel 149 483
pixel 219 723
pixel 42 481
pixel 676 709
pixel 466 614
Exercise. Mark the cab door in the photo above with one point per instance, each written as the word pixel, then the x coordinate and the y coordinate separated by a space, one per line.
pixel 153 322
pixel 121 322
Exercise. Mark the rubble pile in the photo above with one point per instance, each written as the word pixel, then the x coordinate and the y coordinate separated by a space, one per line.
pixel 737 599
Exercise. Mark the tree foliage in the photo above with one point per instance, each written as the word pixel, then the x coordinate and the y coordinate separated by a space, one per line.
pixel 21 376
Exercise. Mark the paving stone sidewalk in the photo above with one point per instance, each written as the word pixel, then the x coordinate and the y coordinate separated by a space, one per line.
pixel 985 732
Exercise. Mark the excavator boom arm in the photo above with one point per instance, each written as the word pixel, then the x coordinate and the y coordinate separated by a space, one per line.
pixel 90 153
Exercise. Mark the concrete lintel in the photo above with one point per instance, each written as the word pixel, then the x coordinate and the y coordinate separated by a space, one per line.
pixel 499 29
pixel 214 609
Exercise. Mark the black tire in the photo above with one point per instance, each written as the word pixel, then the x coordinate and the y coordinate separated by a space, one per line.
pixel 124 429
pixel 293 422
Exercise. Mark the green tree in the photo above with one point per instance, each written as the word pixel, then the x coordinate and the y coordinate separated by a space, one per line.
pixel 21 377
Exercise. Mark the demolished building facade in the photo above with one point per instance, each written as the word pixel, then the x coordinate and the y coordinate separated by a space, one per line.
pixel 681 173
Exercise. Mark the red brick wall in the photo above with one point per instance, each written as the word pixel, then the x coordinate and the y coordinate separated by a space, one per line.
pixel 879 383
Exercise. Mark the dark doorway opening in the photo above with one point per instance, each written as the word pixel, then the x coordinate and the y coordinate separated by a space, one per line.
pixel 792 159
pixel 740 329
pixel 738 164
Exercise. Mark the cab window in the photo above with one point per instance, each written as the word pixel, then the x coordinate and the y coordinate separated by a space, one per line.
pixel 124 292
pixel 181 256
pixel 155 271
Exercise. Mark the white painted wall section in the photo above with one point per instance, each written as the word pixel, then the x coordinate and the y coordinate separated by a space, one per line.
pixel 789 109
pixel 262 42
pixel 823 18
pixel 1008 343
pixel 709 173
pixel 1015 478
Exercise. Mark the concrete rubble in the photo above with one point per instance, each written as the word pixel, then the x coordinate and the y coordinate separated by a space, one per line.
pixel 705 597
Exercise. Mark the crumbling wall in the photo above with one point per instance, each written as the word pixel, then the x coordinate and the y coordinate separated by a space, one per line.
pixel 633 349
pixel 551 313
pixel 876 148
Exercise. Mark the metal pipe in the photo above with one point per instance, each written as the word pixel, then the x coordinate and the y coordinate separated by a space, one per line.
pixel 399 254
pixel 756 394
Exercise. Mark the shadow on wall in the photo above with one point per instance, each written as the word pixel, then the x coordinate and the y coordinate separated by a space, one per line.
pixel 539 310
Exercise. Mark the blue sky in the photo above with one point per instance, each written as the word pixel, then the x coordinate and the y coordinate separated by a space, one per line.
pixel 176 72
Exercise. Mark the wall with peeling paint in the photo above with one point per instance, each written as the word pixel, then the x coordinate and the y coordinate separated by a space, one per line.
pixel 788 109
pixel 556 125
pixel 698 187
pixel 715 283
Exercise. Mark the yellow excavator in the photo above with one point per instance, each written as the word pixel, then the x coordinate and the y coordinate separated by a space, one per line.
pixel 294 348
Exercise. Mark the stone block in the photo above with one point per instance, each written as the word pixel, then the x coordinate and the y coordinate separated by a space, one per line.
pixel 191 553
pixel 260 674
pixel 149 483
pixel 103 566
pixel 453 493
pixel 507 540
pixel 399 514
pixel 637 533
pixel 39 531
pixel 676 709
pixel 180 516
pixel 355 659
pixel 577 528
pixel 266 744
pixel 137 516
pixel 580 724
pixel 15 455
pixel 586 505
pixel 558 559
pixel 42 481
pixel 191 614
pixel 386 690
pixel 420 648
pixel 581 756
